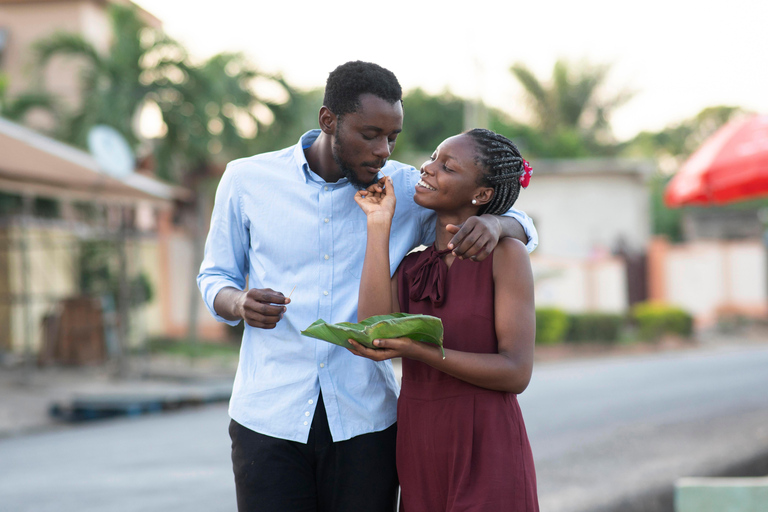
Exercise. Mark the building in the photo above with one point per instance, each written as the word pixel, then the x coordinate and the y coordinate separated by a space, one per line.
pixel 594 223
pixel 38 252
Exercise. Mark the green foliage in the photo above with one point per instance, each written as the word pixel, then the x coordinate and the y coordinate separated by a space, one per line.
pixel 666 221
pixel 653 320
pixel 292 119
pixel 209 110
pixel 601 327
pixel 428 121
pixel 551 326
pixel 572 113
pixel 188 349
pixel 678 141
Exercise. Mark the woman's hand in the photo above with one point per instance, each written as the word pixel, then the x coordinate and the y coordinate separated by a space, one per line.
pixel 378 201
pixel 385 349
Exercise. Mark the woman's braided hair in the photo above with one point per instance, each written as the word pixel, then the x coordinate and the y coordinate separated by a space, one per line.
pixel 502 164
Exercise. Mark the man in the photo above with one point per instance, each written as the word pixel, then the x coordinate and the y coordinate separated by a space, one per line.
pixel 313 426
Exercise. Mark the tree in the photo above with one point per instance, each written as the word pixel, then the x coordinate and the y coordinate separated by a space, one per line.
pixel 571 107
pixel 114 86
pixel 428 121
pixel 209 111
pixel 678 141
pixel 16 108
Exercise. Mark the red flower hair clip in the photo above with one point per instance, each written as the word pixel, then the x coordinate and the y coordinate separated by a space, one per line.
pixel 525 178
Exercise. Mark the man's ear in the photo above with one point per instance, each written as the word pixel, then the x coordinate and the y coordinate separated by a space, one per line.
pixel 484 196
pixel 327 120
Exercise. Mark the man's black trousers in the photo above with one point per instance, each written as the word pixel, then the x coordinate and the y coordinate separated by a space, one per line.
pixel 276 475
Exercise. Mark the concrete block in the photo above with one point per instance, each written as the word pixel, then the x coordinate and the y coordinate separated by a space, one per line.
pixel 721 495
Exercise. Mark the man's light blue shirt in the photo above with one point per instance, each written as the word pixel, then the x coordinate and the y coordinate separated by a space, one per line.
pixel 281 225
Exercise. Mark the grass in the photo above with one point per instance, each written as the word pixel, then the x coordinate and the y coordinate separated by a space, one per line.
pixel 186 348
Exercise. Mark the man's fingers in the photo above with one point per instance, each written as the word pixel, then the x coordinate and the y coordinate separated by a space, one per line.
pixel 453 228
pixel 479 252
pixel 267 295
pixel 261 324
pixel 252 306
pixel 463 241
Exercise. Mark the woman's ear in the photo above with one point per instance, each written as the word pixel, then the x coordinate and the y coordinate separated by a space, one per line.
pixel 483 196
pixel 327 120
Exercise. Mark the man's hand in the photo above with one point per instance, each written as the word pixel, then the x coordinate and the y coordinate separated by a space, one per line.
pixel 261 308
pixel 476 238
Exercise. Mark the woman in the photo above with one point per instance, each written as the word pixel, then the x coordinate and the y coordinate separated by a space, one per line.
pixel 461 442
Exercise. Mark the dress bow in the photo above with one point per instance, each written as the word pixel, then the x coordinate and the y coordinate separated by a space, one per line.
pixel 426 279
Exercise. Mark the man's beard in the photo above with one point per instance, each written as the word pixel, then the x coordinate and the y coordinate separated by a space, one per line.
pixel 345 168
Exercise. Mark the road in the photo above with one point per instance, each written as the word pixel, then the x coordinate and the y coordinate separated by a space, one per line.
pixel 601 430
pixel 606 431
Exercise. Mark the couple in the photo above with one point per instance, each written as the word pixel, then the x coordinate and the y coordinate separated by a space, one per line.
pixel 313 425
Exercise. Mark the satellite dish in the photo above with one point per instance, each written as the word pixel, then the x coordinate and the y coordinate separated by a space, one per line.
pixel 111 151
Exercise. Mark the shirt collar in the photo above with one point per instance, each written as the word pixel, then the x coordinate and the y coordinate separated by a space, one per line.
pixel 308 174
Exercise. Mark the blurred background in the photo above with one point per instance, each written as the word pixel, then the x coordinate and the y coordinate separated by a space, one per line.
pixel 117 119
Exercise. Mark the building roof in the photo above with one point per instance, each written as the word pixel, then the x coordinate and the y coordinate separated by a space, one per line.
pixel 146 16
pixel 581 166
pixel 35 164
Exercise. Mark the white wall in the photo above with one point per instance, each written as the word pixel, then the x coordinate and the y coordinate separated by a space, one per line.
pixel 580 285
pixel 581 215
pixel 708 278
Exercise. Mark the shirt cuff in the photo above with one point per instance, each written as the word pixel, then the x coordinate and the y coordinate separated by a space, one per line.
pixel 209 297
pixel 528 227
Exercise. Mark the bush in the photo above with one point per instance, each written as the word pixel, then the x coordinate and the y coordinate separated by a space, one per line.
pixel 603 327
pixel 653 320
pixel 551 326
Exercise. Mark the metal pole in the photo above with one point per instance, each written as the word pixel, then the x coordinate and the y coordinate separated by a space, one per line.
pixel 198 241
pixel 26 284
pixel 123 294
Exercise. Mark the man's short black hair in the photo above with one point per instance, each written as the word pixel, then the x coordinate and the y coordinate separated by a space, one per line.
pixel 347 82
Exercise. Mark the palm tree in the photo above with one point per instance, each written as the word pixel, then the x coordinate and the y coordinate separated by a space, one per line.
pixel 16 108
pixel 114 85
pixel 572 101
pixel 205 108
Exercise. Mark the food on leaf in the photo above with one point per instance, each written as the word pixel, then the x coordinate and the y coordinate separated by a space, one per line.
pixel 424 328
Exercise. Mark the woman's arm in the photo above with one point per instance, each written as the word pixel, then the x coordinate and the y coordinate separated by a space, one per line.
pixel 510 369
pixel 378 295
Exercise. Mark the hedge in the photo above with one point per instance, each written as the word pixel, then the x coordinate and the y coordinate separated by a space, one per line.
pixel 602 327
pixel 654 319
pixel 650 321
pixel 551 326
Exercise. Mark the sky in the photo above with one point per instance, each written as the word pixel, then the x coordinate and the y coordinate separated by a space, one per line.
pixel 678 56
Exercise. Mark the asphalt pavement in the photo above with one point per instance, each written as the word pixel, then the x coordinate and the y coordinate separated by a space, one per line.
pixel 607 432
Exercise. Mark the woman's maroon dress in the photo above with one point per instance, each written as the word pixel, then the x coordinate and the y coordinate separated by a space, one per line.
pixel 459 447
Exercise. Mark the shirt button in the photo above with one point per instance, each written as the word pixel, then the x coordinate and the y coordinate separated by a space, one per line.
pixel 306 413
pixel 326 257
pixel 326 188
pixel 311 402
pixel 322 365
pixel 325 292
pixel 326 220
pixel 306 423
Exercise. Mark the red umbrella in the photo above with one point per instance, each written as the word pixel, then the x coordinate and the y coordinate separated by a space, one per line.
pixel 731 165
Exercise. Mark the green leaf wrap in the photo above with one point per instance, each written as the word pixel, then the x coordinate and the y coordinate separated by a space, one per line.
pixel 424 328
